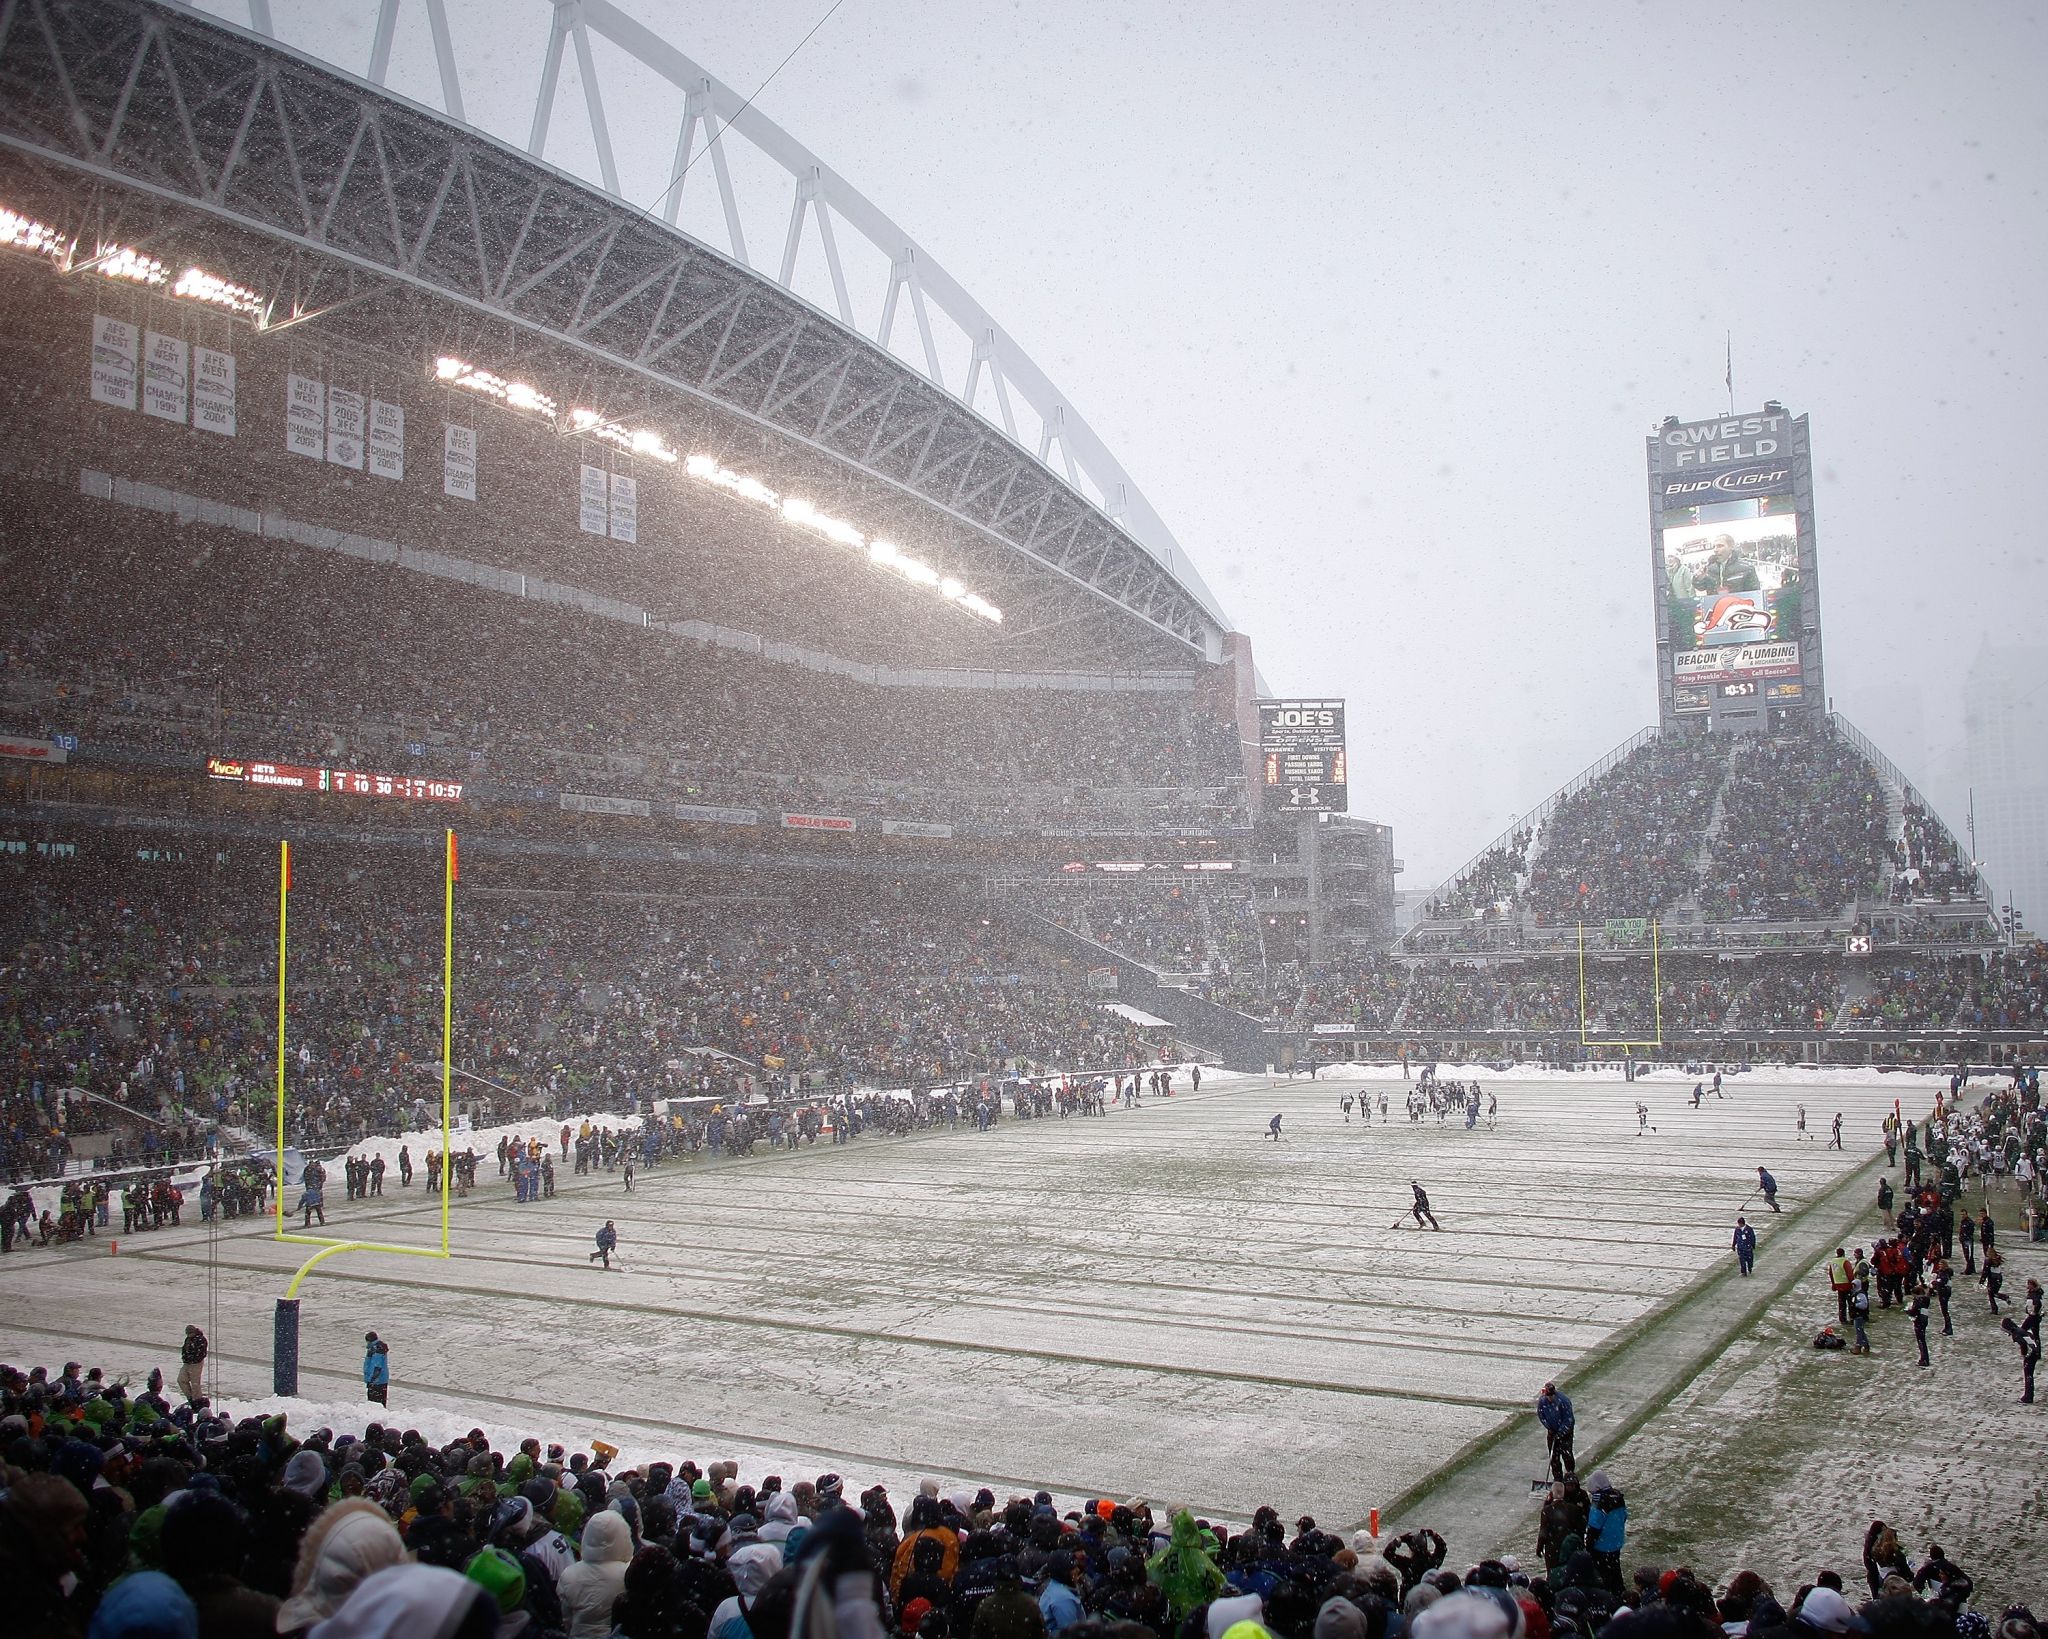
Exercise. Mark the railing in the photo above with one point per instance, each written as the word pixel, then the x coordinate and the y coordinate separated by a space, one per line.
pixel 1511 938
pixel 1890 770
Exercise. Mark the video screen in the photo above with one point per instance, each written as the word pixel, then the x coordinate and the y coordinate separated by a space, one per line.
pixel 1732 581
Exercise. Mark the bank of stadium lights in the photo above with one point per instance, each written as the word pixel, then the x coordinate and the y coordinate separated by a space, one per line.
pixel 705 469
pixel 126 265
pixel 633 440
pixel 195 284
pixel 18 232
pixel 130 266
pixel 805 515
pixel 519 395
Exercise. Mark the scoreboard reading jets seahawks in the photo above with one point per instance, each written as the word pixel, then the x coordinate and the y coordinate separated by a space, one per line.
pixel 1301 746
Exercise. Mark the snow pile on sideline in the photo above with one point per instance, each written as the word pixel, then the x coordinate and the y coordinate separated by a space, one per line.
pixel 441 1425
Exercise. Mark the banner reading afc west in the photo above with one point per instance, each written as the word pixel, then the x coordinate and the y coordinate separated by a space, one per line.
pixel 213 391
pixel 165 376
pixel 116 361
pixel 387 440
pixel 305 417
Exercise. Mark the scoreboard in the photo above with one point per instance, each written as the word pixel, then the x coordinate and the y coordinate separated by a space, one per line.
pixel 1301 750
pixel 346 781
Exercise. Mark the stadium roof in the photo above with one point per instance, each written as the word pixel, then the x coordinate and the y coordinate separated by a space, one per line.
pixel 369 218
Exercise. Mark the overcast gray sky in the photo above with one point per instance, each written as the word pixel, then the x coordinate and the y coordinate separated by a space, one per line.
pixel 1377 303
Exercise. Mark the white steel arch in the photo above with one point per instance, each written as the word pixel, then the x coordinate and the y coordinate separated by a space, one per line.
pixel 709 114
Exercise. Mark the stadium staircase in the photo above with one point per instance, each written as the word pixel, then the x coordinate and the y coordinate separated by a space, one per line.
pixel 1236 1039
pixel 1400 1023
pixel 1689 908
pixel 1855 988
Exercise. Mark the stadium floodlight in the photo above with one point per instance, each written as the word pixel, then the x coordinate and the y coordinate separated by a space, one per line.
pixel 197 285
pixel 634 441
pixel 126 263
pixel 130 266
pixel 706 470
pixel 883 554
pixel 517 395
pixel 18 232
pixel 802 512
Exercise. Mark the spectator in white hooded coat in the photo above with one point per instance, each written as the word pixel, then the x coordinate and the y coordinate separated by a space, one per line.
pixel 588 1588
pixel 752 1568
pixel 783 1518
pixel 347 1543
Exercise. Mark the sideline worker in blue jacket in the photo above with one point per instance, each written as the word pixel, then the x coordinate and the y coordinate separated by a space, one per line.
pixel 376 1369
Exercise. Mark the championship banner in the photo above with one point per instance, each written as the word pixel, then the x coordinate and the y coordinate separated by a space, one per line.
pixel 164 377
pixel 458 462
pixel 915 828
pixel 347 421
pixel 592 508
pixel 116 354
pixel 213 391
pixel 712 814
pixel 817 822
pixel 577 802
pixel 625 508
pixel 305 417
pixel 387 440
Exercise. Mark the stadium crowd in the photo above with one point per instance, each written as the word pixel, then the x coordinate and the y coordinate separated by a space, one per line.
pixel 151 986
pixel 197 640
pixel 146 984
pixel 1931 864
pixel 138 1515
pixel 1804 831
pixel 1487 886
pixel 1700 994
pixel 1625 843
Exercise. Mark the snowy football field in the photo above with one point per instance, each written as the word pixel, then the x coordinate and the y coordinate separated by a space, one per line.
pixel 1159 1303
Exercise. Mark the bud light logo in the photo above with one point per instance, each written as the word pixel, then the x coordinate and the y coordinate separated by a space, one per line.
pixel 1695 489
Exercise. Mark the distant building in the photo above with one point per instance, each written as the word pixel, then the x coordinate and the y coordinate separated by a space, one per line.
pixel 2005 737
